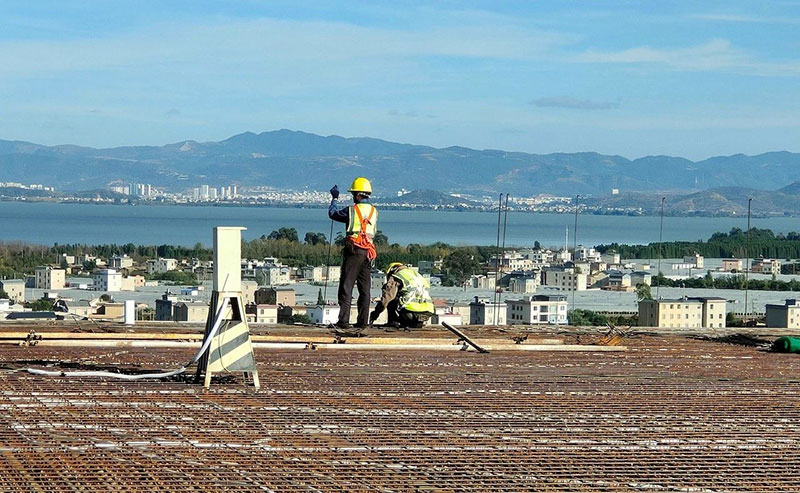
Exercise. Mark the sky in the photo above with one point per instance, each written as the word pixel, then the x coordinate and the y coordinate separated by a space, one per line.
pixel 631 78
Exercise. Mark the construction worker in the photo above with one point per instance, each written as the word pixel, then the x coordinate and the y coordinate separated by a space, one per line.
pixel 358 253
pixel 405 296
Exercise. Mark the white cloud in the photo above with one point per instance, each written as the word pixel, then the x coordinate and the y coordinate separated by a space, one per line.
pixel 740 18
pixel 271 41
pixel 715 55
pixel 574 103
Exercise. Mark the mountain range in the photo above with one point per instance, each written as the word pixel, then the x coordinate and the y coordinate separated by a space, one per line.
pixel 298 160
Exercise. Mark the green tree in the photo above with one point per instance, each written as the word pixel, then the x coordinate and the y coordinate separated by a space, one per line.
pixel 459 266
pixel 288 234
pixel 41 305
pixel 3 294
pixel 315 239
pixel 586 317
pixel 380 239
pixel 643 292
pixel 299 318
pixel 320 299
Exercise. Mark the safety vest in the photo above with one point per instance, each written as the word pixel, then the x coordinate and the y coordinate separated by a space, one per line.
pixel 414 295
pixel 362 220
pixel 368 213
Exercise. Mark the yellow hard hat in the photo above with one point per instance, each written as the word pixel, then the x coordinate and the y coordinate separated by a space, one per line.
pixel 393 267
pixel 362 185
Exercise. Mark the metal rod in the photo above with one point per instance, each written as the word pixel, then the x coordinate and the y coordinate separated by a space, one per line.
pixel 747 260
pixel 660 240
pixel 328 266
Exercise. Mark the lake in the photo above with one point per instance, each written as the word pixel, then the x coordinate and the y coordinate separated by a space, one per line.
pixel 48 223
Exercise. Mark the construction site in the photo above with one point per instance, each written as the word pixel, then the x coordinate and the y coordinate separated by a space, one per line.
pixel 114 406
pixel 402 411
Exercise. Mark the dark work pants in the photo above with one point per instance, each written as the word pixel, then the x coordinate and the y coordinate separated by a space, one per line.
pixel 404 317
pixel 355 272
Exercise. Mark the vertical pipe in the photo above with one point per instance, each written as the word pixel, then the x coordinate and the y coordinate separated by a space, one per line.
pixel 575 253
pixel 660 240
pixel 747 261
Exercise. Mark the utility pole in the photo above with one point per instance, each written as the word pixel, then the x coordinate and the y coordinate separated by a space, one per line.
pixel 747 260
pixel 575 254
pixel 497 255
pixel 660 242
pixel 499 294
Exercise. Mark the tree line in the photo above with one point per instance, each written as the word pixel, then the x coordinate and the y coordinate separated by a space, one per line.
pixel 459 263
pixel 763 243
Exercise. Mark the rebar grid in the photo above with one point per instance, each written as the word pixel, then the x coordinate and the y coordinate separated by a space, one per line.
pixel 669 414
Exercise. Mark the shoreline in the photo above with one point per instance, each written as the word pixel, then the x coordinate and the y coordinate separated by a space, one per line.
pixel 383 207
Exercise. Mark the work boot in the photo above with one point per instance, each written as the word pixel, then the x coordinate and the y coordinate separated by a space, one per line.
pixel 343 325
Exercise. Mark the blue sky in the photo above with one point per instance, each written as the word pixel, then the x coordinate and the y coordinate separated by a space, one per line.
pixel 633 78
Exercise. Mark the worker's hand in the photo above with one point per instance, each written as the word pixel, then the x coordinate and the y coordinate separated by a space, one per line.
pixel 335 192
pixel 373 317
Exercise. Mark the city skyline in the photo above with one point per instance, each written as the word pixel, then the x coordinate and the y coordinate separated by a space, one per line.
pixel 632 79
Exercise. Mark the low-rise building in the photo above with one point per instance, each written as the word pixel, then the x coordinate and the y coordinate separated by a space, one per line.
pixel 485 312
pixel 108 280
pixel 610 258
pixel 564 279
pixel 539 309
pixel 320 273
pixel 617 278
pixel 480 281
pixel 641 277
pixel 164 306
pixel 450 318
pixel 686 312
pixel 249 289
pixel 261 314
pixel 732 264
pixel 119 262
pixel 161 265
pixel 46 277
pixel 584 254
pixel 275 296
pixel 14 288
pixel 766 266
pixel 190 311
pixel 523 284
pixel 784 316
pixel 324 315
pixel 274 275
pixel 696 260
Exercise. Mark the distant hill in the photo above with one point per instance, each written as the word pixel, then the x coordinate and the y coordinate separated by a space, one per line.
pixel 426 198
pixel 716 201
pixel 292 159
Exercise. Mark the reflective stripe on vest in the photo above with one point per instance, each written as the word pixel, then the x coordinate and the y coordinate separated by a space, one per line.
pixel 368 212
pixel 414 295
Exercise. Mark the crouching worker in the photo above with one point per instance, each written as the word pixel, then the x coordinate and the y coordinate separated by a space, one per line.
pixel 406 298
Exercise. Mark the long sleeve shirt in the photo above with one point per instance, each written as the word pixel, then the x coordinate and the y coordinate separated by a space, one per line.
pixel 339 215
pixel 389 291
